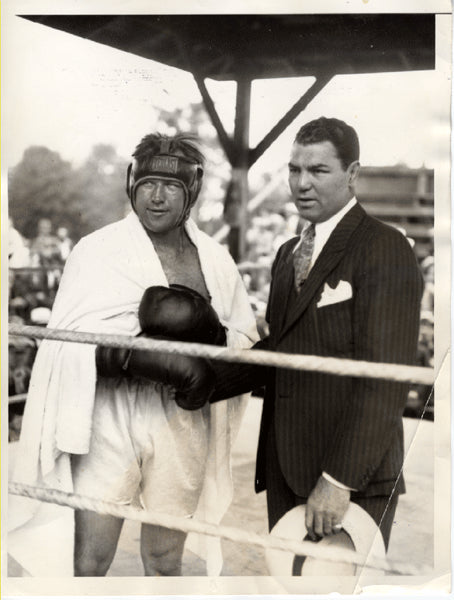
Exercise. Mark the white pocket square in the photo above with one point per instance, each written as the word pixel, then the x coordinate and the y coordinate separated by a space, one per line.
pixel 343 291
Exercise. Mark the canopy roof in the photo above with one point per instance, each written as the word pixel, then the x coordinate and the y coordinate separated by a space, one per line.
pixel 247 47
pixel 228 47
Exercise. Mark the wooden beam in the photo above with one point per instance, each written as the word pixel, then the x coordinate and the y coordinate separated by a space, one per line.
pixel 242 123
pixel 290 116
pixel 225 140
pixel 236 203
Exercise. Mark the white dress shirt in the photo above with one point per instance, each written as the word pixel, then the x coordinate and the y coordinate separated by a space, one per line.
pixel 325 229
pixel 322 233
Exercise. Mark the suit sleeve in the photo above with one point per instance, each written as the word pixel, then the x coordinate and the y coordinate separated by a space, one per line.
pixel 387 289
pixel 234 379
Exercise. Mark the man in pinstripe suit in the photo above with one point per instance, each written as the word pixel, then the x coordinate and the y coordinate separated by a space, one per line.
pixel 327 440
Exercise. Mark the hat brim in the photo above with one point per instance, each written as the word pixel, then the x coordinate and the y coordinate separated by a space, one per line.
pixel 359 533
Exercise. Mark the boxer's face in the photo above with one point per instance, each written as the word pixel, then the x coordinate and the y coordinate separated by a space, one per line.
pixel 320 185
pixel 159 204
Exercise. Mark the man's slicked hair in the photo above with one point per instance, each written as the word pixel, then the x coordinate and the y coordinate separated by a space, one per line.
pixel 343 137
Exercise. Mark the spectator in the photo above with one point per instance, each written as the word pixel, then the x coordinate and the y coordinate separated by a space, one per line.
pixel 65 242
pixel 45 252
pixel 427 302
pixel 45 248
pixel 18 252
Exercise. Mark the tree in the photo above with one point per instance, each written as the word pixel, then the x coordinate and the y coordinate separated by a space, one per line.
pixel 102 182
pixel 42 185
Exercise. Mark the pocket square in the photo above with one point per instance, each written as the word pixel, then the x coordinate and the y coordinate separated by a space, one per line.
pixel 343 291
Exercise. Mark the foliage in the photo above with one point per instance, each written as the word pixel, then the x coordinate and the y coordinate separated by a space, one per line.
pixel 102 179
pixel 83 199
pixel 41 185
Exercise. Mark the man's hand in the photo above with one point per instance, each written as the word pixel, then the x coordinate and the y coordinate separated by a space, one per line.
pixel 326 507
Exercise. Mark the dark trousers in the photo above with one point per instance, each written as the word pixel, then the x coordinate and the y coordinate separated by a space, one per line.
pixel 280 498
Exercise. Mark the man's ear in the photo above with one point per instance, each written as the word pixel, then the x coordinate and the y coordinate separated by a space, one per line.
pixel 129 181
pixel 353 172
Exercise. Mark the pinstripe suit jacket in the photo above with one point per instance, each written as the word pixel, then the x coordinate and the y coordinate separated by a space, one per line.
pixel 349 427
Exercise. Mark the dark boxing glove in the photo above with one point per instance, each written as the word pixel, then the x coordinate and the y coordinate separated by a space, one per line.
pixel 175 313
pixel 191 376
pixel 111 362
pixel 180 313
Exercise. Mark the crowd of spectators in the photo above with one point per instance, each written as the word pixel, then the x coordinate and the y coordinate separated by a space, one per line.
pixel 35 269
pixel 36 266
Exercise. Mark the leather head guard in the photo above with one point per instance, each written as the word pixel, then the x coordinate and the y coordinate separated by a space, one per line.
pixel 167 166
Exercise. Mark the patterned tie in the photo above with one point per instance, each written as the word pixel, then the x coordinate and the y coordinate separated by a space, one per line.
pixel 303 255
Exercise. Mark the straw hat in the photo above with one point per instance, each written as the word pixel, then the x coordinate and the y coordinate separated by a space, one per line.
pixel 359 533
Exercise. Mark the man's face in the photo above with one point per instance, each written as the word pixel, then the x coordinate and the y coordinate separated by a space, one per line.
pixel 318 181
pixel 159 204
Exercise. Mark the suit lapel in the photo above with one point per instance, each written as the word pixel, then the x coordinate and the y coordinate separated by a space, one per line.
pixel 282 285
pixel 328 259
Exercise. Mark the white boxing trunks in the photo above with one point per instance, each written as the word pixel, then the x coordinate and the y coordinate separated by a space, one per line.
pixel 143 447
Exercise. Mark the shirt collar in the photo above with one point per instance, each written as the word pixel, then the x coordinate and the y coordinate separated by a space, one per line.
pixel 324 230
pixel 329 225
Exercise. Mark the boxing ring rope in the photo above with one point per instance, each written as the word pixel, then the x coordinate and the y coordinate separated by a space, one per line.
pixel 17 398
pixel 322 364
pixel 229 533
pixel 334 366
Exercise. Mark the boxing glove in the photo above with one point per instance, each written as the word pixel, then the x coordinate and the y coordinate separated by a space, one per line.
pixel 174 313
pixel 180 313
pixel 111 362
pixel 191 376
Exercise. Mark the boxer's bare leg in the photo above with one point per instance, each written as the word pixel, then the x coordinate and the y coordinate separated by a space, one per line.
pixel 161 550
pixel 96 539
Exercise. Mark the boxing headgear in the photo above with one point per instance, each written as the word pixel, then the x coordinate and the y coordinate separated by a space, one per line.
pixel 170 167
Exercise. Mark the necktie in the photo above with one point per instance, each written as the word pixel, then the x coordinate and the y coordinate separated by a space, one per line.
pixel 303 255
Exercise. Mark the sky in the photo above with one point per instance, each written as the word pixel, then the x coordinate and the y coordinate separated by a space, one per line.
pixel 68 94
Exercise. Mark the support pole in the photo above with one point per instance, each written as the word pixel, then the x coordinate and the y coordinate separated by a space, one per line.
pixel 241 157
pixel 235 209
pixel 282 125
pixel 226 142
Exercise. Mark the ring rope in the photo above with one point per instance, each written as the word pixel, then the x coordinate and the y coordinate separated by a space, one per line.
pixel 233 534
pixel 334 366
pixel 17 398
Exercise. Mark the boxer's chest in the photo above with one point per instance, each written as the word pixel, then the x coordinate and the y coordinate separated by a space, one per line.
pixel 184 268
